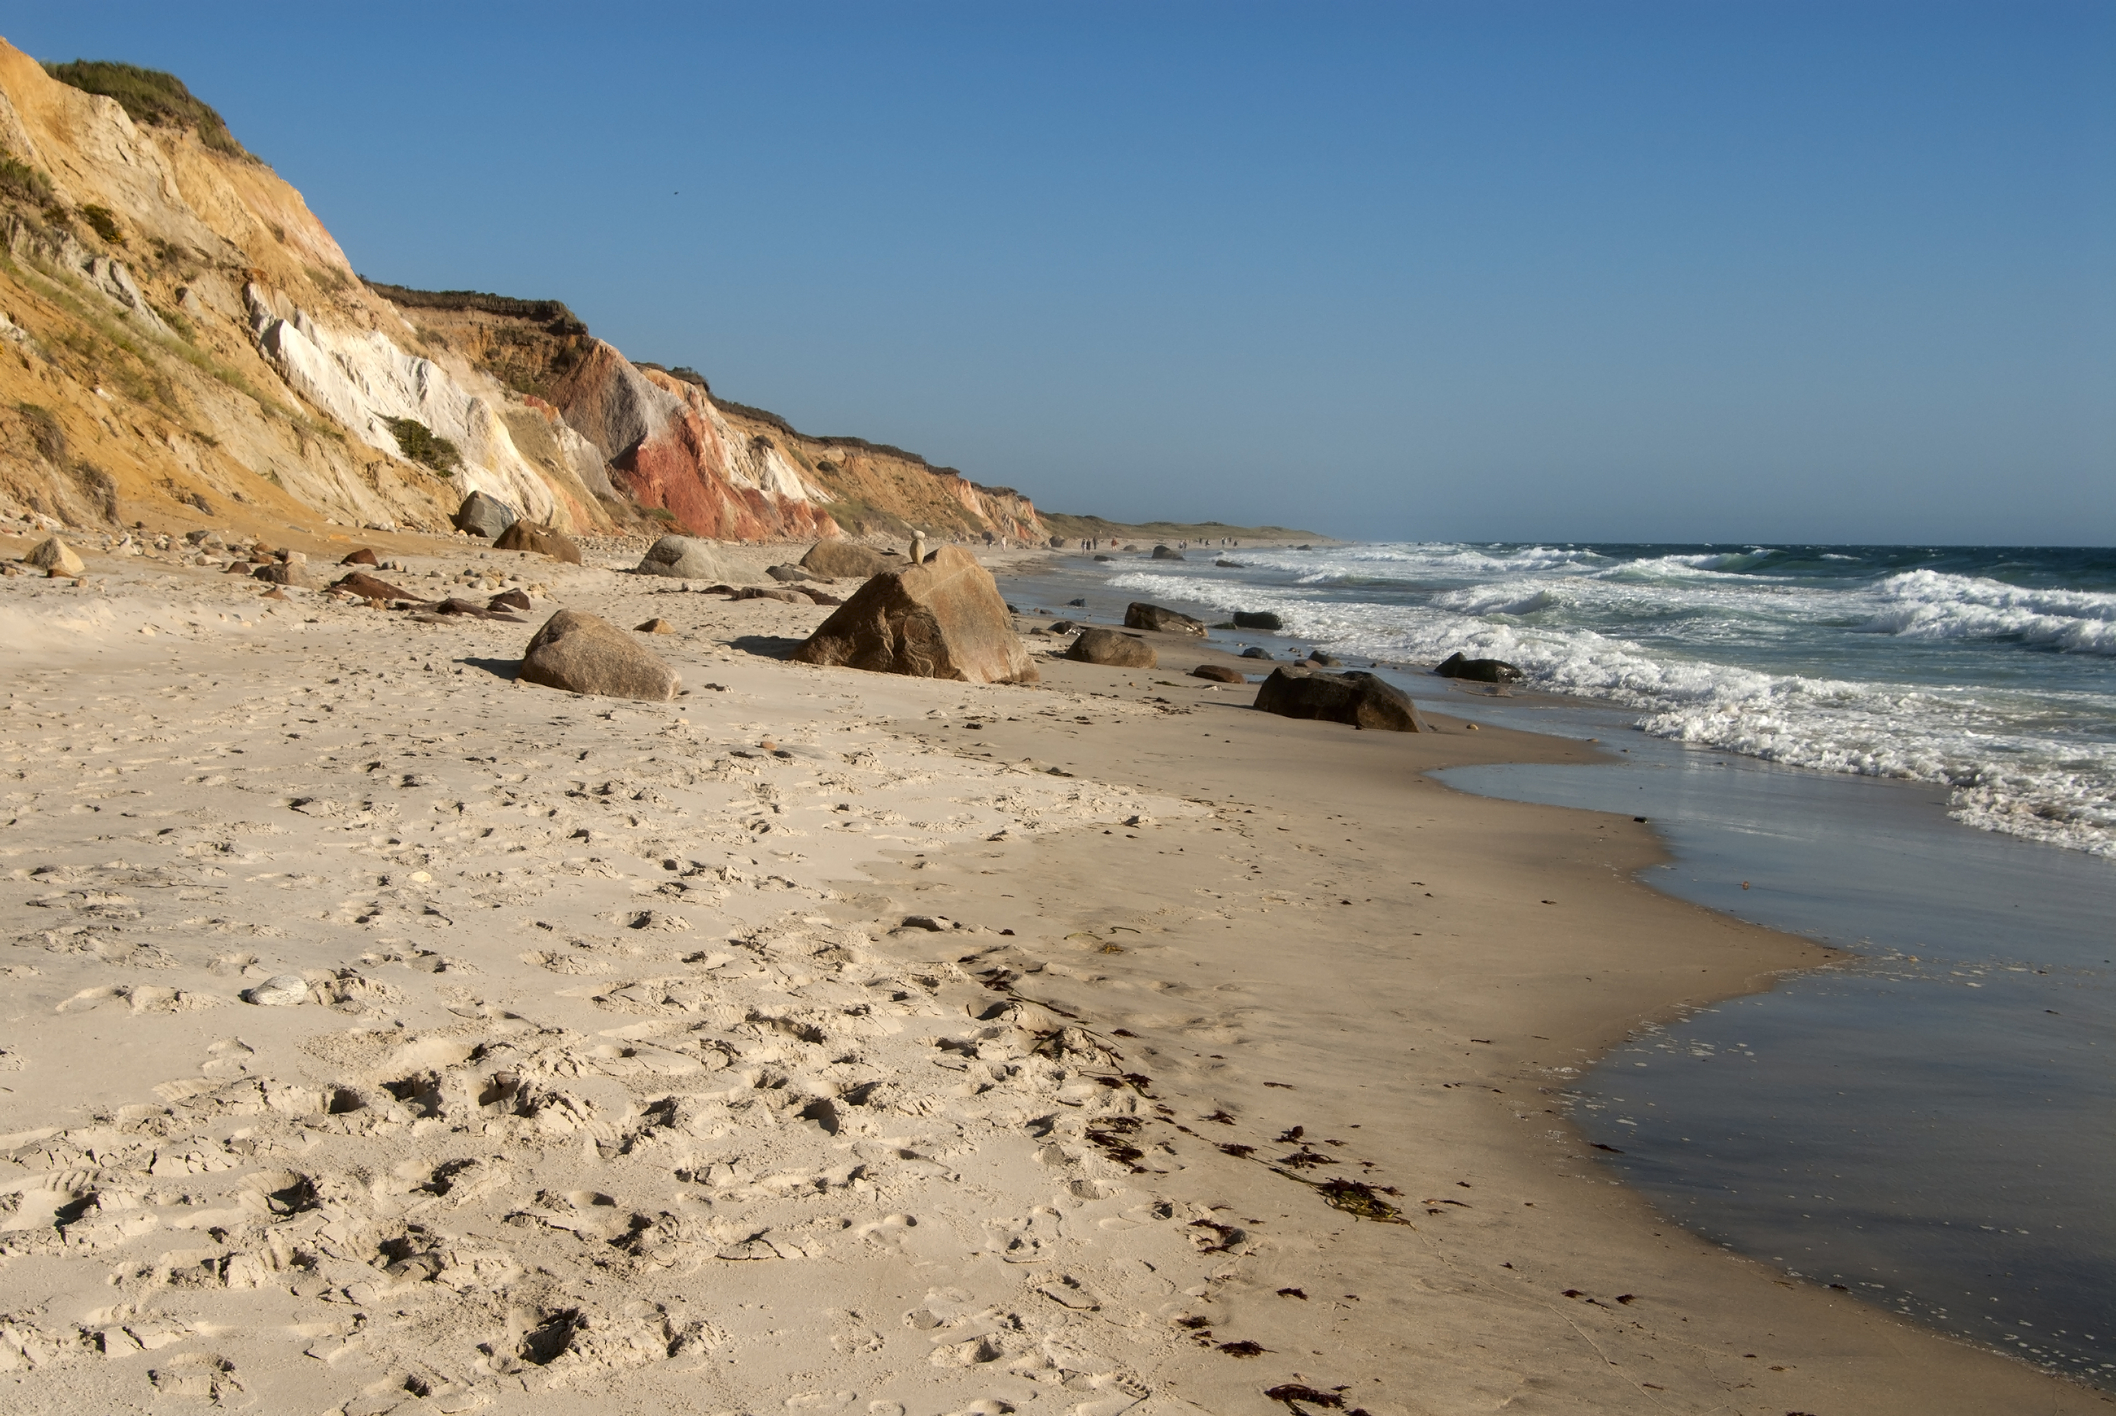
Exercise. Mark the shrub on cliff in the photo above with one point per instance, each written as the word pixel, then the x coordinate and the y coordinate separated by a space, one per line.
pixel 150 96
pixel 25 183
pixel 418 444
pixel 105 223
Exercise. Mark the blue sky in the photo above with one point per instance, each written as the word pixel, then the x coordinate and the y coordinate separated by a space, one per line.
pixel 1693 271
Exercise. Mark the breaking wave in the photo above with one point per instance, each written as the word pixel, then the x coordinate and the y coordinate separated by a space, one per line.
pixel 1845 659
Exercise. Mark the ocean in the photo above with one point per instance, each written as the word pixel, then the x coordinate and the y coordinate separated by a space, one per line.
pixel 1906 752
pixel 1990 671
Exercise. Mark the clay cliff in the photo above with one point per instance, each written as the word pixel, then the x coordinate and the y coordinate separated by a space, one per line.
pixel 181 338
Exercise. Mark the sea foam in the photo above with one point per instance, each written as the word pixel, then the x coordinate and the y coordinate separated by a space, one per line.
pixel 1831 660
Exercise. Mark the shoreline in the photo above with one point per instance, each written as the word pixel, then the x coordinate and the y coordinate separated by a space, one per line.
pixel 1175 927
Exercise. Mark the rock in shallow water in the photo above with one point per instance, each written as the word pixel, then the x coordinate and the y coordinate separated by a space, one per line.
pixel 1361 699
pixel 1477 670
pixel 1139 615
pixel 585 654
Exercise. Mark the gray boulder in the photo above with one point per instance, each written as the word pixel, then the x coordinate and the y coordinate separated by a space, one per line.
pixel 483 515
pixel 584 654
pixel 687 558
pixel 1167 553
pixel 790 574
pixel 1106 646
pixel 1257 619
pixel 1256 651
pixel 843 560
pixel 1361 699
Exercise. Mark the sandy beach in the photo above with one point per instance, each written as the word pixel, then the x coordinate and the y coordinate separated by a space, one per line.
pixel 823 1040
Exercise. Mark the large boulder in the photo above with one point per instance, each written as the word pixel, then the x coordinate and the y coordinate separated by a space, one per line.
pixel 543 540
pixel 483 515
pixel 943 619
pixel 687 558
pixel 56 557
pixel 1168 553
pixel 1105 646
pixel 1257 619
pixel 1476 670
pixel 1144 616
pixel 1361 699
pixel 843 560
pixel 583 654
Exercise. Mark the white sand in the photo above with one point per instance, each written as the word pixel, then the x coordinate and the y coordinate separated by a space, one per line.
pixel 618 1083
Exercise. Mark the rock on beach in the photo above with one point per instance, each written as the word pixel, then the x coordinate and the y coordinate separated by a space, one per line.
pixel 543 540
pixel 686 558
pixel 583 653
pixel 1360 699
pixel 483 515
pixel 943 619
pixel 1106 646
pixel 56 557
pixel 843 560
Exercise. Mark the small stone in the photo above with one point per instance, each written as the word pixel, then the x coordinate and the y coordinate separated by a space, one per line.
pixel 363 556
pixel 1218 673
pixel 278 991
pixel 655 626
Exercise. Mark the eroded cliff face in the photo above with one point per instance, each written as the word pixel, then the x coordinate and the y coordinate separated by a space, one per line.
pixel 180 337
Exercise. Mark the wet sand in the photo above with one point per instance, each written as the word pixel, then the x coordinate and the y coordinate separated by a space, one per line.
pixel 826 1041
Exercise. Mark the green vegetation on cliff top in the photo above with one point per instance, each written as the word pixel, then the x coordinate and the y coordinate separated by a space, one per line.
pixel 150 96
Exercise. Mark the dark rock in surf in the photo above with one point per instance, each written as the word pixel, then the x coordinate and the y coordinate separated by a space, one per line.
pixel 1477 670
pixel 1138 615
